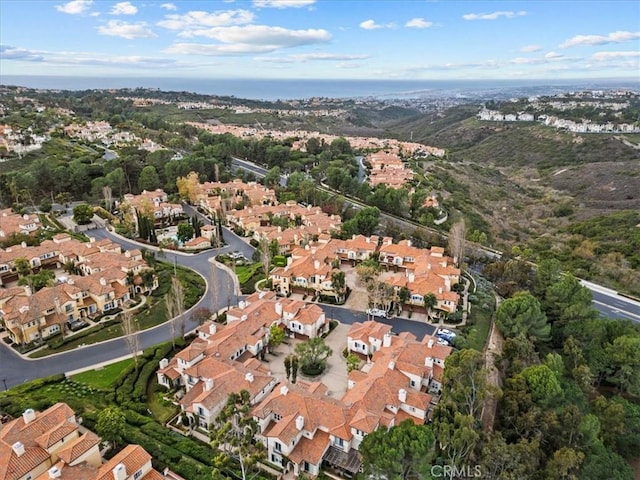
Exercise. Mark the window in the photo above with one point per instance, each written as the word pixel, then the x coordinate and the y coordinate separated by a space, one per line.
pixel 277 447
pixel 137 475
pixel 413 383
pixel 277 417
pixel 200 411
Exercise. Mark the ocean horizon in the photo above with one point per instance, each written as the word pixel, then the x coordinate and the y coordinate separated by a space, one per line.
pixel 288 89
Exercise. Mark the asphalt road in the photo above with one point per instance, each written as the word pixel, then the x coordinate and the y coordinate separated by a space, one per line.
pixel 15 370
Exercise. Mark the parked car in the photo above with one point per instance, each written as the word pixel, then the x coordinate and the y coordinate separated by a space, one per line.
pixel 443 332
pixel 377 312
pixel 444 342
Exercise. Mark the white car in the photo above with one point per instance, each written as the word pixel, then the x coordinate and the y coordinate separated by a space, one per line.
pixel 442 341
pixel 445 333
pixel 377 312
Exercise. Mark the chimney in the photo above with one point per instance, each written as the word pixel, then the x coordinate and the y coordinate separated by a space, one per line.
pixel 103 282
pixel 243 317
pixel 119 472
pixel 299 422
pixel 242 304
pixel 428 361
pixel 412 277
pixel 28 291
pixel 212 328
pixel 279 308
pixel 392 365
pixel 440 290
pixel 249 377
pixel 164 363
pixel 289 261
pixel 430 343
pixel 284 390
pixel 402 395
pixel 71 281
pixel 29 415
pixel 18 448
pixel 316 264
pixel 55 472
pixel 208 384
pixel 386 340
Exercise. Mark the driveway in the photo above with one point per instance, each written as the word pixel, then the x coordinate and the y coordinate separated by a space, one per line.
pixel 334 377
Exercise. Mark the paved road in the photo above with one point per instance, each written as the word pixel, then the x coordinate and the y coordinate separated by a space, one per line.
pixel 612 305
pixel 15 370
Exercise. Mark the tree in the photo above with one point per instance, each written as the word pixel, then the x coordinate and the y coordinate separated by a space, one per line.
pixel 148 179
pixel 564 464
pixel 234 436
pixel 338 284
pixel 107 193
pixel 456 241
pixel 185 232
pixel 201 315
pixel 522 315
pixel 23 267
pixel 130 331
pixel 510 461
pixel 111 425
pixel 37 281
pixel 174 301
pixel 365 222
pixel 353 362
pixel 548 272
pixel 313 355
pixel 82 214
pixel 276 336
pixel 188 187
pixel 543 383
pixel 464 381
pixel 430 301
pixel 272 178
pixel 265 255
pixel 457 438
pixel 402 452
pixel 625 363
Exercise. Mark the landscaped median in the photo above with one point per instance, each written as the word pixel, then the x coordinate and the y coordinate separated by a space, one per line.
pixel 152 313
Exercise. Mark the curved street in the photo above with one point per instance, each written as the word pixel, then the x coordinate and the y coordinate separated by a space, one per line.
pixel 15 370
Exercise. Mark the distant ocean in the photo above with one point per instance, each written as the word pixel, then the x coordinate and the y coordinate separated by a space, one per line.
pixel 272 89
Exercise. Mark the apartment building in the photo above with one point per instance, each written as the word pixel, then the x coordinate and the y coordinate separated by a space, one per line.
pixel 11 222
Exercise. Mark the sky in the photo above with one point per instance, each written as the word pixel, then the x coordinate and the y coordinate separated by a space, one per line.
pixel 322 39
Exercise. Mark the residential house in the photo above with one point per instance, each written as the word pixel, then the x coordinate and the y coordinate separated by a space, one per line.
pixel 35 442
pixel 11 222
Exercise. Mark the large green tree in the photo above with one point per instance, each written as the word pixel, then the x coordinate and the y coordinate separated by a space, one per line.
pixel 148 179
pixel 111 425
pixel 400 453
pixel 233 437
pixel 313 355
pixel 522 315
pixel 82 214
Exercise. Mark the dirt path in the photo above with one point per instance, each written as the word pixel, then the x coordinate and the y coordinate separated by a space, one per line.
pixel 492 352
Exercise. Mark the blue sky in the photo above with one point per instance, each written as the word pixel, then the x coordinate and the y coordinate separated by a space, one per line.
pixel 324 39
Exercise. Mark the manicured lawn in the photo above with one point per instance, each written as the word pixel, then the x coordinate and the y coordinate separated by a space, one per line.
pixel 104 377
pixel 162 410
pixel 479 331
pixel 245 272
pixel 153 313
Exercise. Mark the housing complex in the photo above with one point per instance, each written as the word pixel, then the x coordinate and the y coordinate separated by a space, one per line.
pixel 154 203
pixel 106 278
pixel 214 197
pixel 421 271
pixel 388 169
pixel 302 427
pixel 11 223
pixel 53 445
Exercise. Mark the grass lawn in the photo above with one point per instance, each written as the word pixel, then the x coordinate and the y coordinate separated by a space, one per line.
pixel 162 410
pixel 105 377
pixel 245 272
pixel 479 331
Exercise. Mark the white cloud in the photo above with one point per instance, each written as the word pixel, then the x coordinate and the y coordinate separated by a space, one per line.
pixel 318 56
pixel 282 3
pixel 264 35
pixel 169 6
pixel 118 28
pixel 196 19
pixel 75 7
pixel 68 58
pixel 372 25
pixel 550 57
pixel 494 15
pixel 604 56
pixel 418 22
pixel 250 39
pixel 591 40
pixel 531 48
pixel 124 8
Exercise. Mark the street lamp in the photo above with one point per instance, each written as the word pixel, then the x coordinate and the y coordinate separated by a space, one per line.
pixel 4 381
